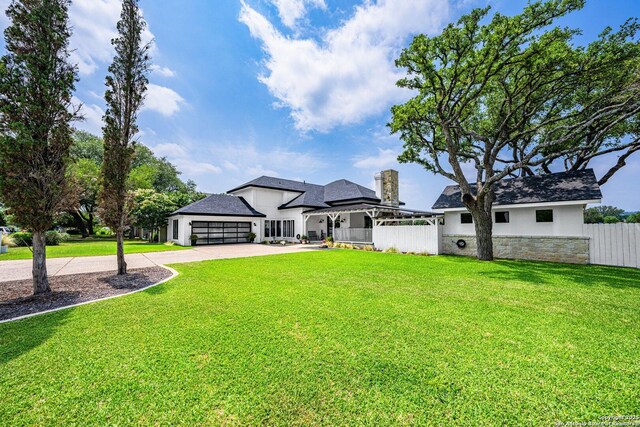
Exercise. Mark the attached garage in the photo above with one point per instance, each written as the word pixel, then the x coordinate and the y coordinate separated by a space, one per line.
pixel 217 220
pixel 220 232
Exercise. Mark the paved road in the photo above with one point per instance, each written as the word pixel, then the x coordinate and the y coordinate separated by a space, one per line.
pixel 21 269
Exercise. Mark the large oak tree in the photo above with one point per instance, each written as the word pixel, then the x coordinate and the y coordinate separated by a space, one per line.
pixel 508 94
pixel 36 85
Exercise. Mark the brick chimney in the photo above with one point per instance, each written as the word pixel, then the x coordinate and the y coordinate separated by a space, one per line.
pixel 387 187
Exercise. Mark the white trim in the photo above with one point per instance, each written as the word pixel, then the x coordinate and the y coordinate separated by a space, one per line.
pixel 531 205
pixel 174 273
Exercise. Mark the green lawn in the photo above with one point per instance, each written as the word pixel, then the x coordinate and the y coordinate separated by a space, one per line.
pixel 336 338
pixel 90 247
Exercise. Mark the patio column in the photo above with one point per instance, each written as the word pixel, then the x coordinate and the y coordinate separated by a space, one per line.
pixel 333 224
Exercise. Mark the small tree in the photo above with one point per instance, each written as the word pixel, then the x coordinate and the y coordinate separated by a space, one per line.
pixel 487 91
pixel 151 210
pixel 597 214
pixel 633 218
pixel 127 85
pixel 36 85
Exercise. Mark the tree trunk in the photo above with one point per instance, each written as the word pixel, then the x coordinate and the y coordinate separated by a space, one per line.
pixel 80 225
pixel 90 224
pixel 40 279
pixel 122 265
pixel 484 234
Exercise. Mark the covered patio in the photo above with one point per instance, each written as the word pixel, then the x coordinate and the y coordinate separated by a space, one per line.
pixel 350 223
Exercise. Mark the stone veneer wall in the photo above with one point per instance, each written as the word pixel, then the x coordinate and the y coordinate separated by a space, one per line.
pixel 573 250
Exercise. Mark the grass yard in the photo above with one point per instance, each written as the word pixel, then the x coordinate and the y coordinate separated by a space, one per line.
pixel 336 338
pixel 90 247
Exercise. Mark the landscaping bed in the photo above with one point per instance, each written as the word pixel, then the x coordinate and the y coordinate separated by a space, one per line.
pixel 16 297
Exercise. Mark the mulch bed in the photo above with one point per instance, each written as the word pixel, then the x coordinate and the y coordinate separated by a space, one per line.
pixel 16 297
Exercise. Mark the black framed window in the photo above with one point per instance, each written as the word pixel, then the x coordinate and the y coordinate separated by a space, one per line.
pixel 544 215
pixel 174 229
pixel 279 228
pixel 466 218
pixel 502 217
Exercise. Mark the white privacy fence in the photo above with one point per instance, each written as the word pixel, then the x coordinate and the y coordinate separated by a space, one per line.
pixel 355 235
pixel 614 244
pixel 409 238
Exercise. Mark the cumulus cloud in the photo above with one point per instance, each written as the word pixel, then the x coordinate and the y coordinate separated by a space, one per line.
pixel 163 71
pixel 384 158
pixel 291 11
pixel 92 117
pixel 349 73
pixel 163 100
pixel 179 155
pixel 94 25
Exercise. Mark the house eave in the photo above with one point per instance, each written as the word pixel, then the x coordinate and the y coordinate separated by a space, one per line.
pixel 526 205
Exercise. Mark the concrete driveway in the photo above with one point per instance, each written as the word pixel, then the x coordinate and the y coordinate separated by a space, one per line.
pixel 21 269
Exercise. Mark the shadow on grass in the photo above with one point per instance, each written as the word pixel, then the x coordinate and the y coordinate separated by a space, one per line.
pixel 20 337
pixel 540 273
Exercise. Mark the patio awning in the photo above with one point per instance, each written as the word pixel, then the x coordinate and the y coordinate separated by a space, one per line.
pixel 374 211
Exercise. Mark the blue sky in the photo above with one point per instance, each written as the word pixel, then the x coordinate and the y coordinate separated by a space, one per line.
pixel 299 89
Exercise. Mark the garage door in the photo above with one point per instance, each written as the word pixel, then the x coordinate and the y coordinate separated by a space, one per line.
pixel 216 232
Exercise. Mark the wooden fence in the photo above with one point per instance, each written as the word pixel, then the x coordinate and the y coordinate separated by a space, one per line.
pixel 614 244
pixel 409 238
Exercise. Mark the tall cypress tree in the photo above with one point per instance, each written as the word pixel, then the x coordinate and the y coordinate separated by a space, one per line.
pixel 126 88
pixel 36 85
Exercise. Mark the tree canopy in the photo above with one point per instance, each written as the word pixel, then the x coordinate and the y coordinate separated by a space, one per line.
pixel 511 95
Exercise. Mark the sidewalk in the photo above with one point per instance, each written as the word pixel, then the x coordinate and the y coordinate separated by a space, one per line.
pixel 21 269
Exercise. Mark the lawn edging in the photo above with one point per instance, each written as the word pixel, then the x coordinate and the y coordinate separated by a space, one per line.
pixel 174 273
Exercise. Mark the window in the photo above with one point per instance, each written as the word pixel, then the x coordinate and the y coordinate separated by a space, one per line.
pixel 174 229
pixel 368 222
pixel 544 215
pixel 278 228
pixel 502 217
pixel 466 218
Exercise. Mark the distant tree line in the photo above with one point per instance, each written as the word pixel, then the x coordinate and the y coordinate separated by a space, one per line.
pixel 609 215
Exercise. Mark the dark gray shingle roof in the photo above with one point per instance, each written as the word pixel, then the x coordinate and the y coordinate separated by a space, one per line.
pixel 313 195
pixel 557 187
pixel 220 205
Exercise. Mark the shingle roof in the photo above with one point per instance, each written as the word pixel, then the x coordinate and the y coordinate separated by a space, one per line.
pixel 313 195
pixel 220 205
pixel 557 187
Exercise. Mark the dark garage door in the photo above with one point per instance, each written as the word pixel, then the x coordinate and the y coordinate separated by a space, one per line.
pixel 217 232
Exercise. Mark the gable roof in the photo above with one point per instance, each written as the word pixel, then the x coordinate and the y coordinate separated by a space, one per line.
pixel 557 187
pixel 220 205
pixel 313 195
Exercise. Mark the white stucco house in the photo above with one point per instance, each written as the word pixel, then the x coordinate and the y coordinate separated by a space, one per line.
pixel 277 209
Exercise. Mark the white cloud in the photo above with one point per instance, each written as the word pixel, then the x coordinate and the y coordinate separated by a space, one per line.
pixel 349 74
pixel 163 71
pixel 230 166
pixel 163 100
pixel 384 158
pixel 94 26
pixel 195 168
pixel 92 117
pixel 291 11
pixel 170 150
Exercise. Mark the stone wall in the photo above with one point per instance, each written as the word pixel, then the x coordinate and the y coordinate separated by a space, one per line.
pixel 573 250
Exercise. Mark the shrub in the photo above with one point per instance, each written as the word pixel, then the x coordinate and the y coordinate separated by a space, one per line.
pixel 328 240
pixel 104 231
pixel 169 243
pixel 368 248
pixel 411 253
pixel 22 238
pixel 251 237
pixel 391 250
pixel 423 254
pixel 54 238
pixel 8 240
pixel 611 219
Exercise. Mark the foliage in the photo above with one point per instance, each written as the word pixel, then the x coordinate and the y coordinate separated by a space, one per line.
pixel 329 239
pixel 194 237
pixel 104 231
pixel 251 236
pixel 634 217
pixel 150 209
pixel 391 250
pixel 368 248
pixel 508 96
pixel 8 240
pixel 54 238
pixel 23 238
pixel 597 214
pixel 87 146
pixel 611 219
pixel 437 341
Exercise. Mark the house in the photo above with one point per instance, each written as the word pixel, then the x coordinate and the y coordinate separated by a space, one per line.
pixel 277 209
pixel 535 217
